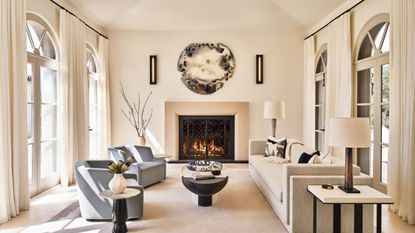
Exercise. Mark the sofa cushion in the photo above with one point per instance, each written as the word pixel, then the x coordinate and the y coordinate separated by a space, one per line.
pixel 305 157
pixel 297 150
pixel 276 147
pixel 270 173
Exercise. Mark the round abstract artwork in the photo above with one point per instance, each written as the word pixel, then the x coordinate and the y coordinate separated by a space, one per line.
pixel 205 67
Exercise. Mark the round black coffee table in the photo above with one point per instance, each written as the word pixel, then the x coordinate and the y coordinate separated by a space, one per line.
pixel 204 189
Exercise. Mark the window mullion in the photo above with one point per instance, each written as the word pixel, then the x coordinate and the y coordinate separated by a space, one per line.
pixel 29 35
pixel 383 36
pixel 36 120
pixel 42 36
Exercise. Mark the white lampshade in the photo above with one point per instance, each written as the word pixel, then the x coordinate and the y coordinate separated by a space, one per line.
pixel 274 110
pixel 349 132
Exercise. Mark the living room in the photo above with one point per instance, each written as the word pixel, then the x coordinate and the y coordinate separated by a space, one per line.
pixel 183 116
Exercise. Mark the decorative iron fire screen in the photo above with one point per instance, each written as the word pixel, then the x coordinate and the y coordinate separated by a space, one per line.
pixel 206 137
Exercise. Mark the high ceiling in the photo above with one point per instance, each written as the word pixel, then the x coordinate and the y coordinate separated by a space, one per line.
pixel 202 14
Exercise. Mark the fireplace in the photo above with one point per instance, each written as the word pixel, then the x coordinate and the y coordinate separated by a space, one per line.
pixel 206 137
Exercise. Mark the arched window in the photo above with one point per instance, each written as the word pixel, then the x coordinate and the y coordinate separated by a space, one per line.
pixel 42 84
pixel 320 93
pixel 372 95
pixel 91 66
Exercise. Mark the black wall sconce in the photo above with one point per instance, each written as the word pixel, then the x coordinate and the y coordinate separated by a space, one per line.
pixel 153 69
pixel 259 69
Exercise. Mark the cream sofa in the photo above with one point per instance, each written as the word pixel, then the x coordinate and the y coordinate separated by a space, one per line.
pixel 285 188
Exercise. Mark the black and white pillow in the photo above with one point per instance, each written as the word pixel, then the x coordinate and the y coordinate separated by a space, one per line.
pixel 275 147
pixel 306 158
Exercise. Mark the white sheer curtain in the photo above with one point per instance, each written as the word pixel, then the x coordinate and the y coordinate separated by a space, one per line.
pixel 73 96
pixel 309 93
pixel 14 185
pixel 401 159
pixel 104 120
pixel 339 73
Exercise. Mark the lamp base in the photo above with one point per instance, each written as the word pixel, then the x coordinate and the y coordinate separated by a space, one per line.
pixel 352 190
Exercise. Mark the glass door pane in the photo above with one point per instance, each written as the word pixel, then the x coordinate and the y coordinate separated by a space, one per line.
pixel 30 120
pixel 47 158
pixel 365 86
pixel 319 138
pixel 48 122
pixel 93 116
pixel 385 120
pixel 365 100
pixel 320 92
pixel 30 163
pixel 384 164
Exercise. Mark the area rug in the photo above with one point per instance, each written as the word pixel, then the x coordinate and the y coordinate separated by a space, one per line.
pixel 70 212
pixel 168 207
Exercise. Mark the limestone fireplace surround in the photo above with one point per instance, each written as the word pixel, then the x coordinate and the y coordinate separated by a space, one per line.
pixel 172 111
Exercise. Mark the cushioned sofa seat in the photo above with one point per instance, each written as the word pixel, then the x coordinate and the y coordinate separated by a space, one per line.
pixel 291 179
pixel 270 174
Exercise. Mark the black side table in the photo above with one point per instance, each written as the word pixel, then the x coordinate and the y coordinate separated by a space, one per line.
pixel 337 197
pixel 119 207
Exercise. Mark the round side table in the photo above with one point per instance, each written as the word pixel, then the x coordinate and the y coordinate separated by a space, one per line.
pixel 119 207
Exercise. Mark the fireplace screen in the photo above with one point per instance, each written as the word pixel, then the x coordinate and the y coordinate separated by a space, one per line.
pixel 206 137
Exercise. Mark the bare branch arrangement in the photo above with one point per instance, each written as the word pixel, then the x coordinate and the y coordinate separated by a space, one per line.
pixel 135 114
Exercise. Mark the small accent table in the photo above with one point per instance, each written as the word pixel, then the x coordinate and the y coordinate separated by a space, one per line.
pixel 119 207
pixel 337 197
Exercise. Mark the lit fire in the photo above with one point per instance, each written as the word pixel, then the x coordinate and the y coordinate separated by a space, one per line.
pixel 199 148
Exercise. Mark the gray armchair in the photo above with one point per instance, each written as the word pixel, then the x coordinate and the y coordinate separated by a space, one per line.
pixel 149 170
pixel 92 177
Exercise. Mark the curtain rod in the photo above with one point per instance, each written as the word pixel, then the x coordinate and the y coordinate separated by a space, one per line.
pixel 344 12
pixel 63 8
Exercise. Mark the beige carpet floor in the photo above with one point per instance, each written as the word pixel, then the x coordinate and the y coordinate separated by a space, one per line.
pixel 241 207
pixel 168 207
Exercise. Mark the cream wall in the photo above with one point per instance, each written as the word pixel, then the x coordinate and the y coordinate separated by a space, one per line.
pixel 283 66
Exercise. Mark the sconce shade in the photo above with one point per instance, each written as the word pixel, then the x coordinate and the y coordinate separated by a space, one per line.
pixel 349 132
pixel 274 110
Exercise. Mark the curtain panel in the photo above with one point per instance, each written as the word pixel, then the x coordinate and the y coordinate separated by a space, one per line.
pixel 401 159
pixel 339 74
pixel 73 99
pixel 14 184
pixel 104 119
pixel 309 93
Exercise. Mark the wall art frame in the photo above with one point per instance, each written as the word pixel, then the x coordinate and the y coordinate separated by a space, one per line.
pixel 205 67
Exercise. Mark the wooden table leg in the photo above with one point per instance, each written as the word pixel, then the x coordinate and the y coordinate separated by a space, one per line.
pixel 378 218
pixel 119 216
pixel 336 218
pixel 314 214
pixel 358 218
